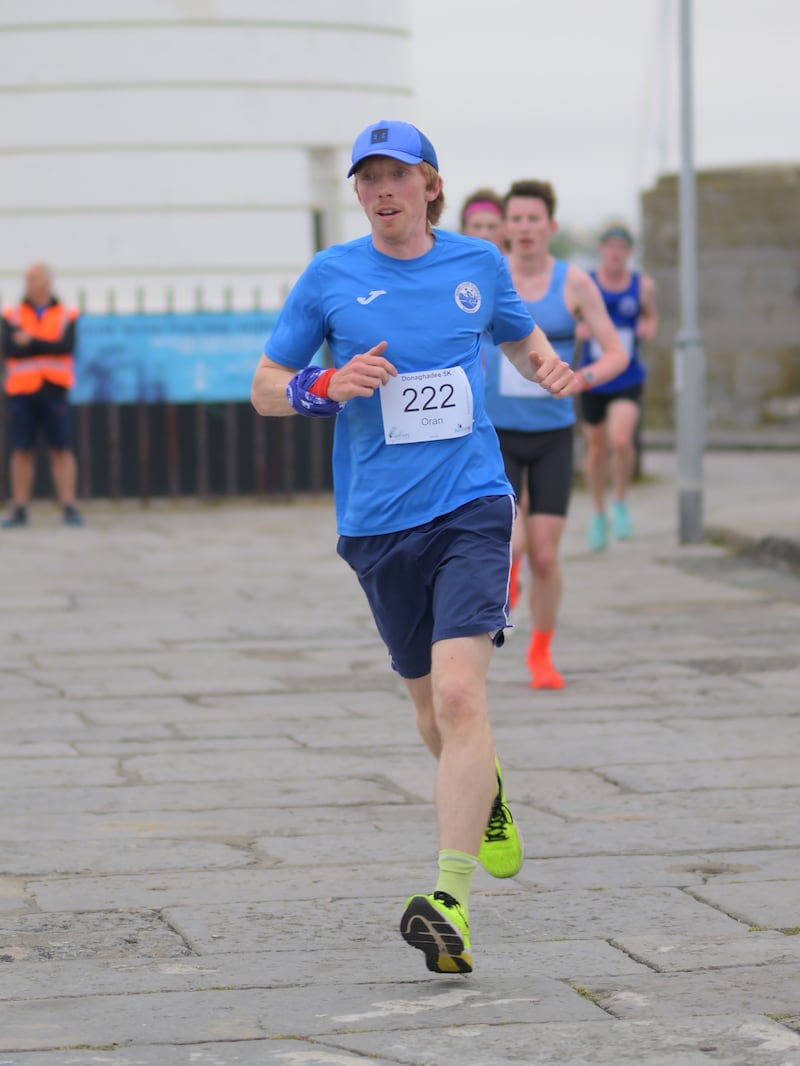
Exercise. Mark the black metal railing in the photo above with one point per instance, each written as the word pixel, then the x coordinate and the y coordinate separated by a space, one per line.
pixel 207 451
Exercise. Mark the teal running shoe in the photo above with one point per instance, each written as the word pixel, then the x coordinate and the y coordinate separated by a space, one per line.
pixel 597 537
pixel 621 520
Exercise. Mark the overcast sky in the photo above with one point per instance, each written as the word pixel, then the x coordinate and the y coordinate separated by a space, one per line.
pixel 584 93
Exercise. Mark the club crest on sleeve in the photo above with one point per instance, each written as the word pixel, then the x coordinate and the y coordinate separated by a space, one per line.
pixel 468 297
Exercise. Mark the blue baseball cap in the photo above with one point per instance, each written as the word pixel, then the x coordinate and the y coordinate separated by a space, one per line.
pixel 400 140
pixel 616 229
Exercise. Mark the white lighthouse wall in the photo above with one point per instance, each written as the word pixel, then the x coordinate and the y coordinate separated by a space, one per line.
pixel 183 148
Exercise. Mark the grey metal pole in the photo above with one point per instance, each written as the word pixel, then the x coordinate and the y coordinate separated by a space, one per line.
pixel 689 352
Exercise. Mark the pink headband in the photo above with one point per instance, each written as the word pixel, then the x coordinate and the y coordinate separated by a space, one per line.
pixel 482 205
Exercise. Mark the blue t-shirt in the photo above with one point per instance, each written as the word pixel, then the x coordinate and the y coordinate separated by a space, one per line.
pixel 432 311
pixel 624 309
pixel 514 402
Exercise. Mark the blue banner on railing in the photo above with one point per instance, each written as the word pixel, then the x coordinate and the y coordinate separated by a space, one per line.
pixel 206 356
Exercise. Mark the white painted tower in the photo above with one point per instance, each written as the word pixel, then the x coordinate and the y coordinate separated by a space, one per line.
pixel 157 148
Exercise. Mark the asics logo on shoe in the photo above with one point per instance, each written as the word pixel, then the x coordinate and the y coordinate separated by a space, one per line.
pixel 374 294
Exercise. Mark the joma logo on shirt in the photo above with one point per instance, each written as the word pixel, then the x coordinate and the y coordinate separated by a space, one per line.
pixel 374 294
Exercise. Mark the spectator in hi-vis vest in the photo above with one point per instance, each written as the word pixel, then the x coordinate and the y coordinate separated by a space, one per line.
pixel 38 340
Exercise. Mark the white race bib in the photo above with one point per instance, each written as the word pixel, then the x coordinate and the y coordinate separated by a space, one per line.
pixel 430 405
pixel 625 334
pixel 512 383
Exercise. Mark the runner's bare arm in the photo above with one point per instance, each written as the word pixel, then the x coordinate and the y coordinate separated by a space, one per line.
pixel 585 302
pixel 647 326
pixel 268 391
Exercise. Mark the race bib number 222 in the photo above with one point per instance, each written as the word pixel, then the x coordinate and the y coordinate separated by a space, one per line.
pixel 430 405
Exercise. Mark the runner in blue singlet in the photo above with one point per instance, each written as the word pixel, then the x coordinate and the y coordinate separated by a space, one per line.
pixel 611 412
pixel 422 500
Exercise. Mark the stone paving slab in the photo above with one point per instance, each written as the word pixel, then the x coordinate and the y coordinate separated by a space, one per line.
pixel 750 1040
pixel 569 744
pixel 240 823
pixel 772 903
pixel 678 870
pixel 608 913
pixel 219 888
pixel 140 712
pixel 621 704
pixel 87 936
pixel 257 1052
pixel 245 1014
pixel 132 973
pixel 778 771
pixel 741 736
pixel 577 840
pixel 313 803
pixel 250 883
pixel 21 688
pixel 787 679
pixel 747 1040
pixel 771 988
pixel 253 761
pixel 349 733
pixel 17 743
pixel 129 681
pixel 76 856
pixel 57 773
pixel 708 803
pixel 693 954
pixel 35 749
pixel 495 919
pixel 677 834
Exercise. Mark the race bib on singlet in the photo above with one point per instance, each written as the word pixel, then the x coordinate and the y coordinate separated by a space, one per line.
pixel 625 334
pixel 430 405
pixel 512 383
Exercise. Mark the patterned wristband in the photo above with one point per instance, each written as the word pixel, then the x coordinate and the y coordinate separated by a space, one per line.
pixel 307 403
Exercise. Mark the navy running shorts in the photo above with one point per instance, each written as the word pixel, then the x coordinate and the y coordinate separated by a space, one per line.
pixel 47 410
pixel 595 404
pixel 546 459
pixel 444 579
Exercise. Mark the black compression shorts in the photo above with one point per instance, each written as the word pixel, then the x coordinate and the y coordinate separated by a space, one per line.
pixel 547 459
pixel 594 404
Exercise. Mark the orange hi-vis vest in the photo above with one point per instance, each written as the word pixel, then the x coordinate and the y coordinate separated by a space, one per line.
pixel 27 374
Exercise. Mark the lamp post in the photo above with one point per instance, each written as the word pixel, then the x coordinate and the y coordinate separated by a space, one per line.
pixel 689 352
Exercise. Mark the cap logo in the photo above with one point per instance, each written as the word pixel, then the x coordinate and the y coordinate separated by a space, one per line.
pixel 379 136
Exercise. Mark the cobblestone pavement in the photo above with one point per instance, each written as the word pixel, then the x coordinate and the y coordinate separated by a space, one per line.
pixel 214 802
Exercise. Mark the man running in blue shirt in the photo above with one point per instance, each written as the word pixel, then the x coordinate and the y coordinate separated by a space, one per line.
pixel 424 509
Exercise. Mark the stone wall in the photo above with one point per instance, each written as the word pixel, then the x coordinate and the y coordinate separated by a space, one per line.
pixel 748 224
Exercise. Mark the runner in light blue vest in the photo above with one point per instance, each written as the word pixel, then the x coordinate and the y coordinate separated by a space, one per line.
pixel 536 429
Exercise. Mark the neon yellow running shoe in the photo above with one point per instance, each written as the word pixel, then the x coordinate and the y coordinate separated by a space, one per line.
pixel 438 926
pixel 501 850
